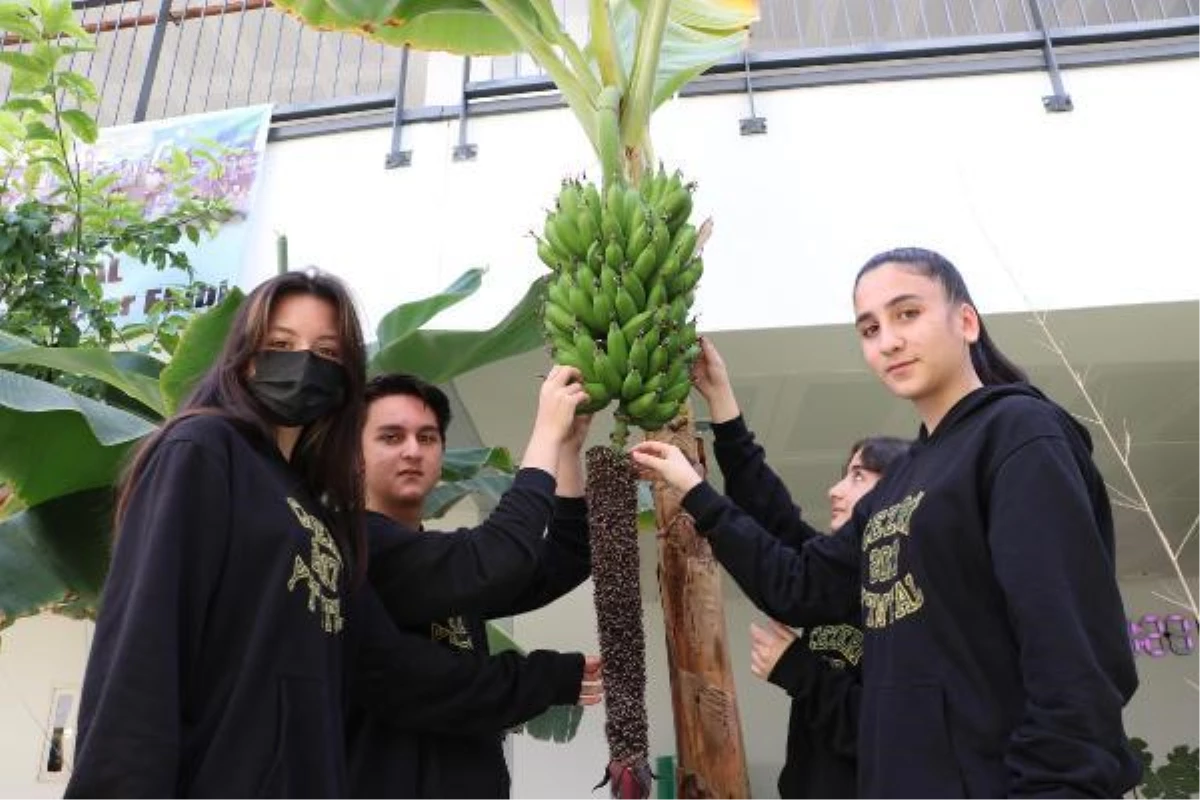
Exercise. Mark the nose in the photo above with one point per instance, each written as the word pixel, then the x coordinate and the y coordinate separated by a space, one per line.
pixel 835 492
pixel 889 340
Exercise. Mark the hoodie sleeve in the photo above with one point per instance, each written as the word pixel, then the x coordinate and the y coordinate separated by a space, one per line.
pixel 564 563
pixel 165 566
pixel 828 697
pixel 424 576
pixel 810 585
pixel 754 486
pixel 1060 586
pixel 416 684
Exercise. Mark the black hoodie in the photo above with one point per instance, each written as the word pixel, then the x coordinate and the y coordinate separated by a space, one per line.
pixel 996 657
pixel 822 669
pixel 443 586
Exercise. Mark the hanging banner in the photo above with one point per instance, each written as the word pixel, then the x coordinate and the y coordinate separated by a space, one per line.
pixel 226 149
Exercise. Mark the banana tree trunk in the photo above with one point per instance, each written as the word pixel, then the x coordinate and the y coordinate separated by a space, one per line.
pixel 710 758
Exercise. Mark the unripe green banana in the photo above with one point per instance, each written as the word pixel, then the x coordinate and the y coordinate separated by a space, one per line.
pixel 608 281
pixel 676 392
pixel 559 317
pixel 684 243
pixel 657 296
pixel 626 308
pixel 607 372
pixel 556 292
pixel 657 360
pixel 588 230
pixel 550 232
pixel 632 211
pixel 618 349
pixel 645 265
pixel 591 201
pixel 586 279
pixel 639 238
pixel 632 284
pixel 571 237
pixel 686 279
pixel 568 358
pixel 597 393
pixel 569 198
pixel 638 357
pixel 602 312
pixel 641 404
pixel 548 256
pixel 585 346
pixel 595 254
pixel 631 387
pixel 634 327
pixel 614 256
pixel 580 305
pixel 660 238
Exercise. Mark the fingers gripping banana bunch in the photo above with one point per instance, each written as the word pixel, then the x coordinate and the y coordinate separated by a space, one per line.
pixel 617 307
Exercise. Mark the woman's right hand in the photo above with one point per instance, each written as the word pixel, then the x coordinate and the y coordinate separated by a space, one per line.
pixel 668 462
pixel 711 379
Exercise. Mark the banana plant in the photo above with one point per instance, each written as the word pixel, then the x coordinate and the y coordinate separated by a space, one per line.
pixel 625 262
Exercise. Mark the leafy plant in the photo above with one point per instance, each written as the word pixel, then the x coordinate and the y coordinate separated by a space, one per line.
pixel 1178 778
pixel 66 220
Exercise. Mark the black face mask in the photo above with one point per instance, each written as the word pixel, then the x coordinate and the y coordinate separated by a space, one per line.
pixel 297 387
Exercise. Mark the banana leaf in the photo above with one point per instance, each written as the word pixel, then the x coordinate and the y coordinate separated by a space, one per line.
pixel 54 442
pixel 129 373
pixel 556 723
pixel 54 556
pixel 198 348
pixel 439 356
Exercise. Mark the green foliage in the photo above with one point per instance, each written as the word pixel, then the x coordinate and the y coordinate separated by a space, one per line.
pixel 1178 778
pixel 62 222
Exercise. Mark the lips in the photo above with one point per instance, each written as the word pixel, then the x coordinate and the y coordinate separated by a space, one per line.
pixel 902 365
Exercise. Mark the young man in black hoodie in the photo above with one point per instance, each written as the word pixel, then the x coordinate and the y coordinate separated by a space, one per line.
pixel 445 585
pixel 996 657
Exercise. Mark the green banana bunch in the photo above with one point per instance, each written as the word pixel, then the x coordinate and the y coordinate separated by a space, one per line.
pixel 617 306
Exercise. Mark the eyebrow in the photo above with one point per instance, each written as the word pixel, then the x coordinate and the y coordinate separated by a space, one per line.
pixel 895 301
pixel 285 329
pixel 393 428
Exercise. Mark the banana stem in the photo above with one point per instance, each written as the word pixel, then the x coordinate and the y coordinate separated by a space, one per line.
pixel 550 20
pixel 581 101
pixel 604 44
pixel 620 434
pixel 640 98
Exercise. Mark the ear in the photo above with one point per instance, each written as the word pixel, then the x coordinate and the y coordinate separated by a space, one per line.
pixel 968 320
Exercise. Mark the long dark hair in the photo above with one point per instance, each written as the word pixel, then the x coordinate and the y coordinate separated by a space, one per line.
pixel 328 454
pixel 877 453
pixel 992 366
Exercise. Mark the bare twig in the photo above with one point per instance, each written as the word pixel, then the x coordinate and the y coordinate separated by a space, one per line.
pixel 1175 601
pixel 1139 502
pixel 1187 536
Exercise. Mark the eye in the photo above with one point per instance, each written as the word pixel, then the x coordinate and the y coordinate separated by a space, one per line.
pixel 428 438
pixel 868 331
pixel 278 344
pixel 328 351
pixel 909 313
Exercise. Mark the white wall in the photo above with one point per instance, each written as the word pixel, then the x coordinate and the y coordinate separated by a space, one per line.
pixel 1088 208
pixel 37 656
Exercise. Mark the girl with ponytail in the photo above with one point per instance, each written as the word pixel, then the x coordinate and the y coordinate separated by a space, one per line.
pixel 996 661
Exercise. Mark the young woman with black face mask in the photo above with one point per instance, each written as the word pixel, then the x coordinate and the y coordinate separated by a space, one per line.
pixel 234 614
